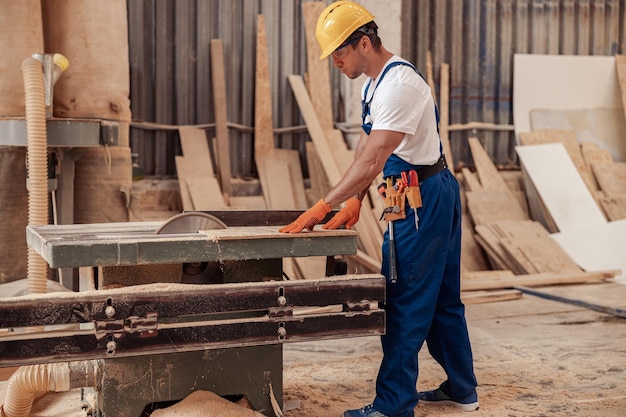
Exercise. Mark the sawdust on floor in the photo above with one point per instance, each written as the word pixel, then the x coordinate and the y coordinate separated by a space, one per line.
pixel 532 357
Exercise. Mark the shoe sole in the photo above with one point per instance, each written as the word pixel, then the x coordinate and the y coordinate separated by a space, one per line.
pixel 465 407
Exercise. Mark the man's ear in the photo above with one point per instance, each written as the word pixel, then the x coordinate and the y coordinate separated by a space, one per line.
pixel 365 44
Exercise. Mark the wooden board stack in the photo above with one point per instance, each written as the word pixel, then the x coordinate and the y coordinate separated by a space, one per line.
pixel 507 224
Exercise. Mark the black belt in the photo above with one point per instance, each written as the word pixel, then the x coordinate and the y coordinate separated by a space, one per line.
pixel 429 171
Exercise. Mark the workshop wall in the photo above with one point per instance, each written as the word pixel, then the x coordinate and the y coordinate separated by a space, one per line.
pixel 171 83
pixel 478 39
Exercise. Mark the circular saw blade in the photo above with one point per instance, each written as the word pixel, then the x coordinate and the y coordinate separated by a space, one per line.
pixel 190 222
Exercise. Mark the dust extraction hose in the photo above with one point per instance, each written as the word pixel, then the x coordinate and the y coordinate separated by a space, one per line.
pixel 37 161
pixel 28 381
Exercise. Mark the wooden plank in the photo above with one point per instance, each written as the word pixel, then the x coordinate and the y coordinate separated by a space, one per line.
pixel 592 153
pixel 444 114
pixel 318 70
pixel 472 256
pixel 218 79
pixel 196 150
pixel 181 165
pixel 490 238
pixel 263 119
pixel 614 207
pixel 536 280
pixel 620 67
pixel 527 245
pixel 430 79
pixel 479 297
pixel 279 192
pixel 292 159
pixel 550 167
pixel 485 168
pixel 486 274
pixel 319 181
pixel 163 83
pixel 195 169
pixel 315 129
pixel 263 122
pixel 611 177
pixel 252 202
pixel 205 193
pixel 471 180
pixel 488 206
pixel 494 252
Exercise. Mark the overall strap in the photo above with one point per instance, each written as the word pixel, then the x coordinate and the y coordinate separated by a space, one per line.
pixel 365 104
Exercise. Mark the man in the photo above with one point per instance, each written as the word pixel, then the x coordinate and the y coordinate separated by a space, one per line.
pixel 423 284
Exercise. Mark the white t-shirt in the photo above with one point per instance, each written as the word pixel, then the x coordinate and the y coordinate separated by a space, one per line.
pixel 403 103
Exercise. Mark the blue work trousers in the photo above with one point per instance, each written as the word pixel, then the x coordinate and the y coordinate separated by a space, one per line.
pixel 425 302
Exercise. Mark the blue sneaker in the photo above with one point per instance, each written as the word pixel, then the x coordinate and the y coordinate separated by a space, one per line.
pixel 438 396
pixel 367 411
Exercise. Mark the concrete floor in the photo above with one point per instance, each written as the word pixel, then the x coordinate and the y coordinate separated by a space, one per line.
pixel 533 358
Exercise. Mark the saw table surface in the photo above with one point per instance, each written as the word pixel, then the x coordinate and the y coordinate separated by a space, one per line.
pixel 136 243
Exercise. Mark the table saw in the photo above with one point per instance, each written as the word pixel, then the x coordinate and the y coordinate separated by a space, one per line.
pixel 199 302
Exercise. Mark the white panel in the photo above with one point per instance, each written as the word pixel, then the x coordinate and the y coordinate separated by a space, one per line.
pixel 597 247
pixel 560 186
pixel 562 82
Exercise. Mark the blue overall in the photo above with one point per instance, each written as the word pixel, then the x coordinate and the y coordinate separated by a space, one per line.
pixel 424 304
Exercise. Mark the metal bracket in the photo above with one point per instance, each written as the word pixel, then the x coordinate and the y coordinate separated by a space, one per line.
pixel 146 326
pixel 109 133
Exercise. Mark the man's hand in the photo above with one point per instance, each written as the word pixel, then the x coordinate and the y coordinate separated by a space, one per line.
pixel 348 215
pixel 309 218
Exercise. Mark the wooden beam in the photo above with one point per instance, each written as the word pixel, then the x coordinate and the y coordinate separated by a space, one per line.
pixel 480 297
pixel 444 114
pixel 315 128
pixel 535 280
pixel 221 129
pixel 263 122
pixel 317 69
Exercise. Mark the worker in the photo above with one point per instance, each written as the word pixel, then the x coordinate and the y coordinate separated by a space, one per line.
pixel 400 135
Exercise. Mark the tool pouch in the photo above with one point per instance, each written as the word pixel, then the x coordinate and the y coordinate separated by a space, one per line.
pixel 414 196
pixel 395 205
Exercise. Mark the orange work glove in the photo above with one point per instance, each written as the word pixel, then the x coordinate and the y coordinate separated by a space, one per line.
pixel 309 218
pixel 348 215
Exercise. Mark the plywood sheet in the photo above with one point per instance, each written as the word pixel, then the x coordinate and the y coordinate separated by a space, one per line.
pixel 560 186
pixel 196 151
pixel 568 138
pixel 548 82
pixel 596 247
pixel 611 177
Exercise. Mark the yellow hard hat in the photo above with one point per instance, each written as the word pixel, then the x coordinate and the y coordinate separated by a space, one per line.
pixel 338 21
